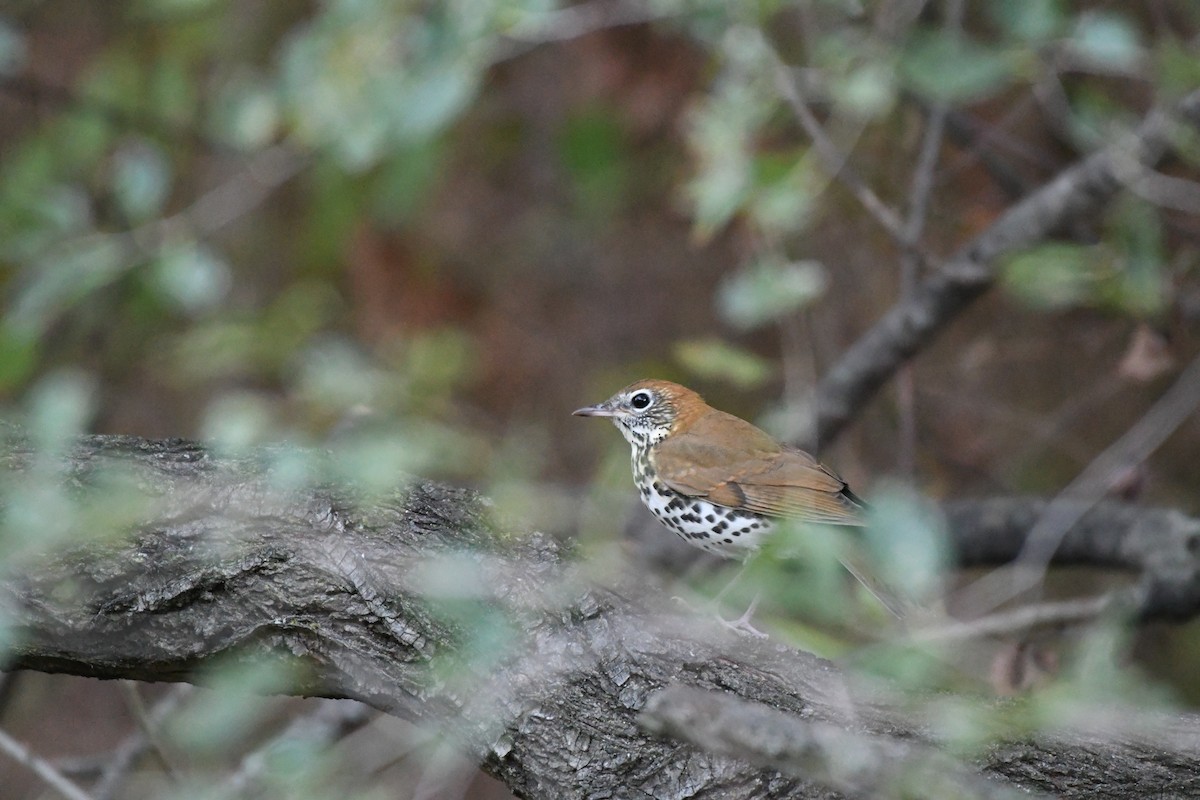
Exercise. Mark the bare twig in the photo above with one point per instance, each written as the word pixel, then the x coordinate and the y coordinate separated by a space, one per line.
pixel 1025 618
pixel 919 198
pixel 834 159
pixel 42 768
pixel 914 322
pixel 1088 489
pixel 328 722
pixel 148 724
pixel 117 766
pixel 1166 191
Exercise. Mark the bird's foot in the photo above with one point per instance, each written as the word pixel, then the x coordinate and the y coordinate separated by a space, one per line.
pixel 742 624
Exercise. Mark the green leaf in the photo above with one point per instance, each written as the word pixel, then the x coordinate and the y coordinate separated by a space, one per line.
pixel 19 354
pixel 237 421
pixel 1106 38
pixel 768 291
pixel 868 91
pixel 907 541
pixel 193 277
pixel 1030 20
pixel 12 49
pixel 66 275
pixel 60 406
pixel 141 178
pixel 954 68
pixel 247 113
pixel 1054 275
pixel 592 148
pixel 785 201
pixel 714 359
pixel 1178 65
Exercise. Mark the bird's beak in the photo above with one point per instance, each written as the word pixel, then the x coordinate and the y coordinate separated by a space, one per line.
pixel 599 410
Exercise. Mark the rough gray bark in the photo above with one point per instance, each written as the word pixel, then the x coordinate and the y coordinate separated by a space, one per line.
pixel 204 558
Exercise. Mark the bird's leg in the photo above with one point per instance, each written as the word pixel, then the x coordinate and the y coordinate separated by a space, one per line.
pixel 742 623
pixel 716 601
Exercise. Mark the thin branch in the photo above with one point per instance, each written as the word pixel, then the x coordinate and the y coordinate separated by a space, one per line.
pixel 912 323
pixel 1026 618
pixel 117 766
pixel 835 161
pixel 920 195
pixel 41 767
pixel 319 728
pixel 1165 191
pixel 1088 489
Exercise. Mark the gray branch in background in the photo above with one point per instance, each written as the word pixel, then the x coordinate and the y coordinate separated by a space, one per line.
pixel 916 319
pixel 202 558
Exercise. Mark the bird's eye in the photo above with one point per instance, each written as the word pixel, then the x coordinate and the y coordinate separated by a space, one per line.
pixel 640 400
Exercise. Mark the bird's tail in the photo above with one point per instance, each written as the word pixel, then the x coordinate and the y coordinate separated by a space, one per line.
pixel 896 602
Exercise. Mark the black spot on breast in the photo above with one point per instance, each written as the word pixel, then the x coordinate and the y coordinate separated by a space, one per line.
pixel 720 527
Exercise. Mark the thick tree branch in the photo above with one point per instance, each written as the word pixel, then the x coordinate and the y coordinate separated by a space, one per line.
pixel 1161 546
pixel 857 763
pixel 417 605
pixel 916 319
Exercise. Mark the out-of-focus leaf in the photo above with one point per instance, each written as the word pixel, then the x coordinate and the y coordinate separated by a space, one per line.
pixel 334 374
pixel 1137 234
pixel 364 77
pixel 592 148
pixel 1106 38
pixel 66 275
pixel 1030 20
pixel 165 9
pixel 220 718
pixel 1054 275
pixel 247 113
pixel 714 359
pixel 786 204
pixel 172 92
pixel 908 542
pixel 238 421
pixel 769 290
pixel 954 68
pixel 721 131
pixel 141 178
pixel 12 48
pixel 868 91
pixel 403 181
pixel 1178 65
pixel 433 99
pixel 60 406
pixel 193 277
pixel 18 357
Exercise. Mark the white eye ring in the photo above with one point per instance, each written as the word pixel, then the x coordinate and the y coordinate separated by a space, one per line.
pixel 641 400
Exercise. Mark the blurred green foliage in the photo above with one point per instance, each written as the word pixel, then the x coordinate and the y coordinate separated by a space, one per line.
pixel 184 202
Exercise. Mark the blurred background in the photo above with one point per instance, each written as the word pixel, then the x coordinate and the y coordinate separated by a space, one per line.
pixel 426 232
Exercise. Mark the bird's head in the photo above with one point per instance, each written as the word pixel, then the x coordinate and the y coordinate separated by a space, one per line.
pixel 648 411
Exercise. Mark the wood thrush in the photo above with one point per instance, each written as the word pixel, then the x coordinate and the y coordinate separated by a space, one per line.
pixel 716 480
